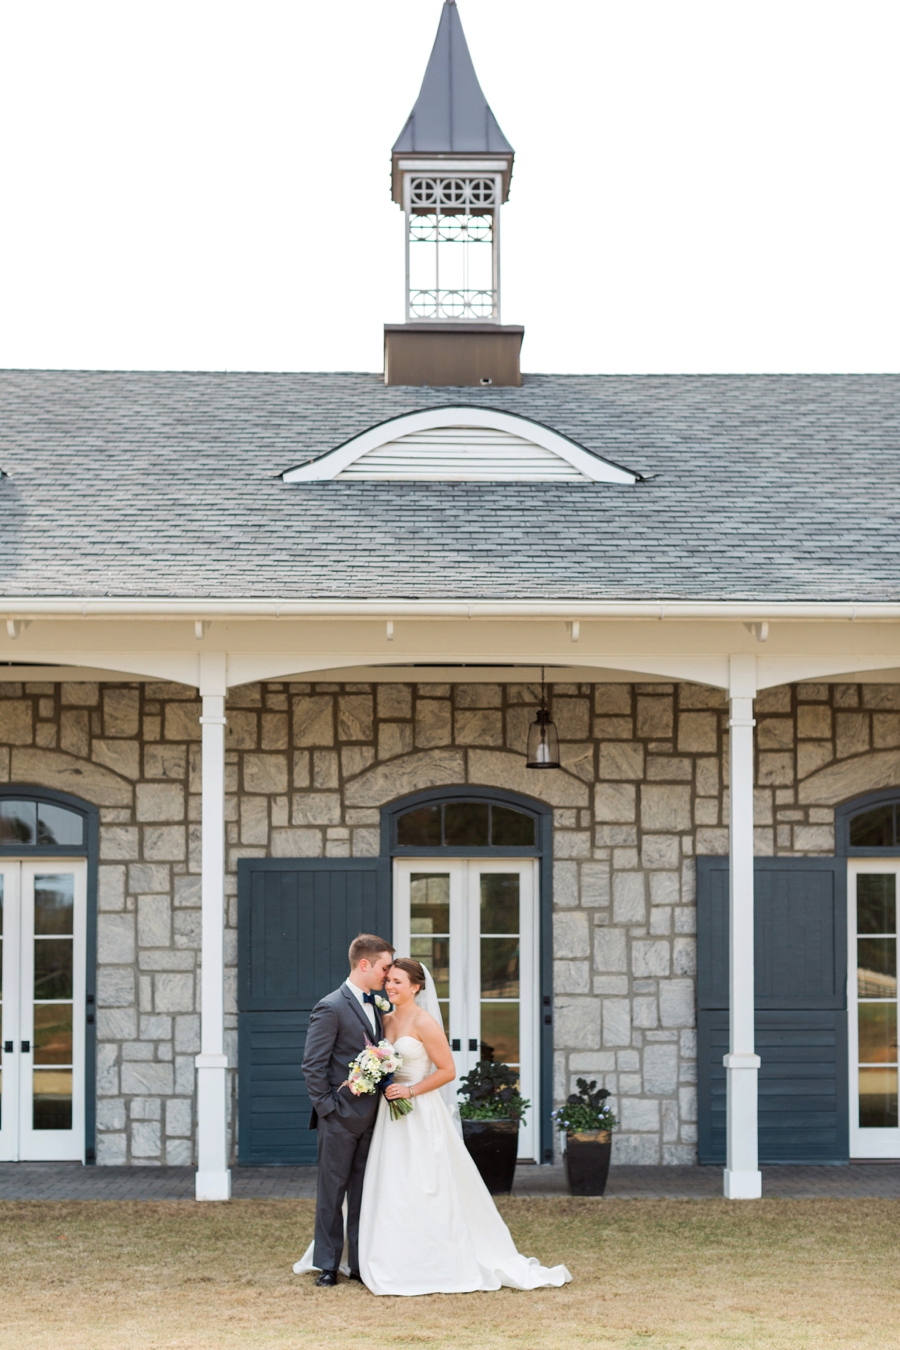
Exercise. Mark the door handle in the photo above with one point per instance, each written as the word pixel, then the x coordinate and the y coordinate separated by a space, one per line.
pixel 7 1047
pixel 473 1045
pixel 26 1046
pixel 454 1044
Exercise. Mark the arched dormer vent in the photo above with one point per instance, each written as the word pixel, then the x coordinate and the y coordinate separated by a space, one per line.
pixel 463 445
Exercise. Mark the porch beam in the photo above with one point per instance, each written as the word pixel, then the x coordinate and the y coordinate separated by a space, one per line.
pixel 213 1179
pixel 742 1179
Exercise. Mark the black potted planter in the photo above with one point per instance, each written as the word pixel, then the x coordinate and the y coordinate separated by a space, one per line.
pixel 587 1161
pixel 493 1145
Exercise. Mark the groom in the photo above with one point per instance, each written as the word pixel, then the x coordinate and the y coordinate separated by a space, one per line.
pixel 338 1027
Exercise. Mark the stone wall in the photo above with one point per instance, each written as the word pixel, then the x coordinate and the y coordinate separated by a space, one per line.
pixel 308 767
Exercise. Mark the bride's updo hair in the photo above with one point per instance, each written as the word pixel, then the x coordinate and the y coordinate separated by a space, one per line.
pixel 413 969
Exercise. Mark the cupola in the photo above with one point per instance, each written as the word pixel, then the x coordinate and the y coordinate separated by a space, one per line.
pixel 450 173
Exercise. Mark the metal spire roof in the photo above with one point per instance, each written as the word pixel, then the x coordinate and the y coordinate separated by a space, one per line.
pixel 451 114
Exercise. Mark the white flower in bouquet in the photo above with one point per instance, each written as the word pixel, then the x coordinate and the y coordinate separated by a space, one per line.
pixel 373 1070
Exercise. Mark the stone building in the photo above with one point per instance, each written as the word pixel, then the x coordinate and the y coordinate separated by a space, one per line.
pixel 273 679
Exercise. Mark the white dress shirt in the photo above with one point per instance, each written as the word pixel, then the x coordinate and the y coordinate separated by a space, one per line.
pixel 367 1008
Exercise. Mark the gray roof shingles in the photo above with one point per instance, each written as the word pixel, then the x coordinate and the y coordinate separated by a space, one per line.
pixel 768 488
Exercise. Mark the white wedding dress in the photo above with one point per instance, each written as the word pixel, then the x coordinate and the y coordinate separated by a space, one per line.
pixel 428 1224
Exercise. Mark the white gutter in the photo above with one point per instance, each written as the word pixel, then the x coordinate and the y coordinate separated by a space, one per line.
pixel 141 607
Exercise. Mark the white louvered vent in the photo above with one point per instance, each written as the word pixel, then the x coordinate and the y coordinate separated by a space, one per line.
pixel 462 454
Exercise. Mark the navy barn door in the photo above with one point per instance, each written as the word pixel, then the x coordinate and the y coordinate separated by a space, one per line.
pixel 801 1008
pixel 296 919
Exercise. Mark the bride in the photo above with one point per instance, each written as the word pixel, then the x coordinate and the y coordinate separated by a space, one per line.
pixel 428 1224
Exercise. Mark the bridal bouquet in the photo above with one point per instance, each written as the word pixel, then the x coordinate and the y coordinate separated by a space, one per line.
pixel 373 1071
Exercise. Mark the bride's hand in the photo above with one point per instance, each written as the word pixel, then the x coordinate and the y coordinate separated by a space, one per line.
pixel 397 1090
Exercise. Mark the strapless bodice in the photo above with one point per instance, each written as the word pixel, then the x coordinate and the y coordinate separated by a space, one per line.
pixel 416 1064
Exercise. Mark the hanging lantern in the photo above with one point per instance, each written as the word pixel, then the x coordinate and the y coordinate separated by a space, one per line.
pixel 543 741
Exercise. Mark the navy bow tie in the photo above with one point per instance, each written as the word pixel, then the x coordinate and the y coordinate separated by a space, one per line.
pixel 369 998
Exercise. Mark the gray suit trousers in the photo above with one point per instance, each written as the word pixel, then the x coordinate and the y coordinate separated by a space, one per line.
pixel 342 1165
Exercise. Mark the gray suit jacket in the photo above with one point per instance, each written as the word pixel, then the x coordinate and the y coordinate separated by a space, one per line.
pixel 338 1028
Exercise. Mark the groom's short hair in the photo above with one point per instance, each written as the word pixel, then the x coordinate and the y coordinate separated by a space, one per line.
pixel 368 946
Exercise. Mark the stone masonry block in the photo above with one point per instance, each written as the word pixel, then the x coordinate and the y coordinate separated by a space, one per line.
pixel 565 883
pixel 645 1012
pixel 632 1150
pixel 433 722
pixel 707 777
pixel 147 1079
pixel 178 1116
pixel 621 760
pixel 164 843
pixel 775 733
pixel 116 1024
pixel 394 738
pixel 612 698
pixel 122 757
pixel 698 732
pixel 885 730
pixel 316 808
pixel 112 1150
pixel 813 721
pixel 265 773
pixel 614 803
pixel 638 1113
pixel 355 717
pixel 613 729
pixel 115 939
pixel 610 950
pixel 394 700
pixel 174 993
pixel 254 820
pixel 649 958
pixel 74 732
pixel 81 694
pixel 577 1023
pixel 881 695
pixel 110 1114
pixel 571 977
pixel 676 1003
pixel 159 802
pixel 111 887
pixel 121 712
pixel 115 987
pixel 684 956
pixel 616 1021
pixel 165 761
pixel 571 934
pixel 655 717
pixel 595 885
pixel 313 720
pixel 182 721
pixel 665 888
pixel 478 726
pixel 296 844
pixel 701 696
pixel 145 1140
pixel 851 733
pixel 478 696
pixel 572 717
pixel 712 840
pixel 187 1034
pixel 660 851
pixel 776 768
pixel 154 920
pixel 629 900
pixel 665 807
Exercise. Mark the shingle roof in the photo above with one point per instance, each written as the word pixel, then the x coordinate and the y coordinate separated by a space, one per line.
pixel 768 488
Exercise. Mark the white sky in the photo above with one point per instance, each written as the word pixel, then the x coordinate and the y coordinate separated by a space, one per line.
pixel 698 186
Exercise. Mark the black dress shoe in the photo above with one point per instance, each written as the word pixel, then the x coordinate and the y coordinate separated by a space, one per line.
pixel 327 1279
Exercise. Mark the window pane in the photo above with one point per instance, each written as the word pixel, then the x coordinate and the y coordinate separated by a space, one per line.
pixel 466 824
pixel 511 829
pixel 876 903
pixel 56 825
pixel 877 1033
pixel 429 907
pixel 873 829
pixel 500 1032
pixel 52 1099
pixel 53 1033
pixel 52 968
pixel 420 828
pixel 500 967
pixel 54 903
pixel 499 902
pixel 435 954
pixel 878 1099
pixel 18 822
pixel 876 974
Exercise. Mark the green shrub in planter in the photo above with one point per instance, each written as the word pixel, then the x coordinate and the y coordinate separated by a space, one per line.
pixel 588 1124
pixel 491 1109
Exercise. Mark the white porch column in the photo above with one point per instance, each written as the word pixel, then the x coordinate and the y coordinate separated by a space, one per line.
pixel 213 1181
pixel 743 1179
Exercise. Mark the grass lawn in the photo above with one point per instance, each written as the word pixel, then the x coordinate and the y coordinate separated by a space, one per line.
pixel 668 1275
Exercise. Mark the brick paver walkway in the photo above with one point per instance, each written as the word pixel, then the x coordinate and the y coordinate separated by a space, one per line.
pixel 70 1181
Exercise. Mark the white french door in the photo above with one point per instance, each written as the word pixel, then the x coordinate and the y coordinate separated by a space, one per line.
pixel 42 1009
pixel 473 922
pixel 873 885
